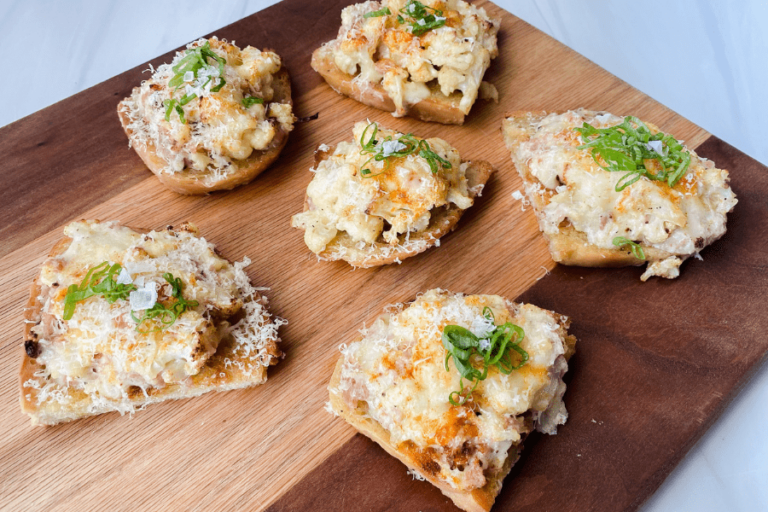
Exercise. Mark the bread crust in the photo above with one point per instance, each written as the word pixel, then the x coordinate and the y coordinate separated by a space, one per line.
pixel 442 221
pixel 569 246
pixel 437 108
pixel 215 375
pixel 193 182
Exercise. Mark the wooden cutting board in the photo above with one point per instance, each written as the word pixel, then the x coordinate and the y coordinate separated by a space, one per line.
pixel 665 353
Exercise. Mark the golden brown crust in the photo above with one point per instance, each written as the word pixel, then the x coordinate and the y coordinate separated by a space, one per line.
pixel 477 500
pixel 438 108
pixel 194 182
pixel 442 221
pixel 215 375
pixel 568 246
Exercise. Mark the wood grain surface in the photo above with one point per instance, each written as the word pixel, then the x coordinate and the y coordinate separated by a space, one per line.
pixel 244 449
pixel 655 364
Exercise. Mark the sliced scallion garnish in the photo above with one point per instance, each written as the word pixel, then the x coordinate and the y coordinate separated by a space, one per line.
pixel 375 14
pixel 627 147
pixel 388 147
pixel 99 280
pixel 166 315
pixel 492 349
pixel 193 61
pixel 637 251
pixel 250 101
pixel 421 17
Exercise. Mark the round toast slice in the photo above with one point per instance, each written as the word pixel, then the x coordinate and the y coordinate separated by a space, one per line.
pixel 193 182
pixel 442 221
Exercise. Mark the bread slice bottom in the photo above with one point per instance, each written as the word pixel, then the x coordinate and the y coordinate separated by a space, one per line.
pixel 229 368
pixel 441 222
pixel 438 107
pixel 193 182
pixel 477 500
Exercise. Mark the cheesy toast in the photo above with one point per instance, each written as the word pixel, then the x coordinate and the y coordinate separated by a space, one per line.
pixel 118 319
pixel 605 196
pixel 213 118
pixel 421 59
pixel 385 196
pixel 408 384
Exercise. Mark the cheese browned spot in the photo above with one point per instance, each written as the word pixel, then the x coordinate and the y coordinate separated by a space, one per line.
pixel 219 129
pixel 396 198
pixel 395 374
pixel 569 189
pixel 443 61
pixel 101 353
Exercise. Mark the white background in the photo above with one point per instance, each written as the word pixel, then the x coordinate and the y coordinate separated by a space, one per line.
pixel 705 59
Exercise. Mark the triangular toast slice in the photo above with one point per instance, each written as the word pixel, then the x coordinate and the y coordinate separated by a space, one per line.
pixel 352 396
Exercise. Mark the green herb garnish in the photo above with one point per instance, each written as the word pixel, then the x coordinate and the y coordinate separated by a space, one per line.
pixel 492 349
pixel 637 251
pixel 626 148
pixel 99 280
pixel 250 101
pixel 193 61
pixel 166 315
pixel 389 148
pixel 375 14
pixel 421 17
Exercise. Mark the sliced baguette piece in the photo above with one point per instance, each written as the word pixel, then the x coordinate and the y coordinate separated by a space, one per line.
pixel 194 182
pixel 437 108
pixel 230 367
pixel 191 125
pixel 570 246
pixel 442 222
pixel 479 499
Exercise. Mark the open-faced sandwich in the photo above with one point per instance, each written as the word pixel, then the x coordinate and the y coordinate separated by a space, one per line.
pixel 613 191
pixel 422 59
pixel 451 384
pixel 385 196
pixel 212 119
pixel 118 319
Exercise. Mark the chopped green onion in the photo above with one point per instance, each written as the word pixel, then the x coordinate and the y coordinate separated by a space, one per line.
pixel 250 101
pixel 193 61
pixel 166 316
pixel 375 14
pixel 99 280
pixel 637 251
pixel 467 350
pixel 626 148
pixel 421 17
pixel 411 145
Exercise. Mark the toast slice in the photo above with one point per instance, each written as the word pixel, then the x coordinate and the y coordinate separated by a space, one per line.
pixel 384 58
pixel 245 331
pixel 456 425
pixel 192 181
pixel 556 176
pixel 443 219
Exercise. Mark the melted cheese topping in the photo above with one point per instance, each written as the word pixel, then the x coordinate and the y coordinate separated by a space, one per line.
pixel 219 129
pixel 449 59
pixel 399 194
pixel 679 220
pixel 100 352
pixel 396 373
